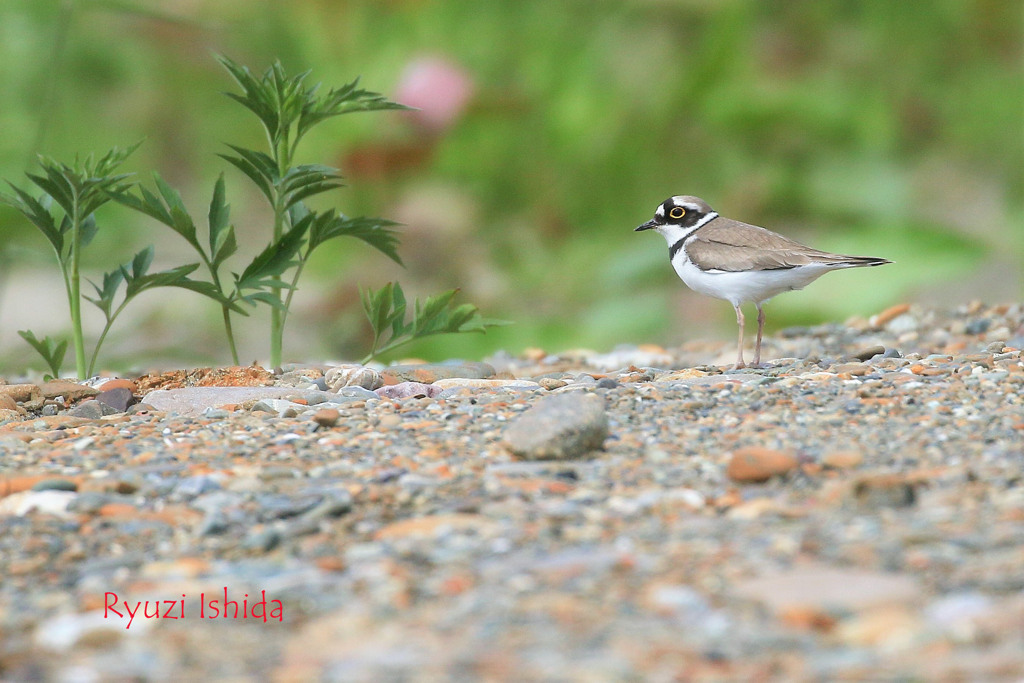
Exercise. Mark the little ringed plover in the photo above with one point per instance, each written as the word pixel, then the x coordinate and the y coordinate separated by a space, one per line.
pixel 738 262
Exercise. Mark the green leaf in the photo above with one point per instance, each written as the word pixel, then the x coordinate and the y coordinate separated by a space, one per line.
pixel 307 180
pixel 256 96
pixel 276 258
pixel 222 234
pixel 105 294
pixel 208 289
pixel 87 230
pixel 259 167
pixel 173 277
pixel 376 232
pixel 141 263
pixel 51 350
pixel 337 101
pixel 37 214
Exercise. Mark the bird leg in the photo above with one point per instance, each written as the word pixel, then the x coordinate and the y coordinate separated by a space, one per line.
pixel 760 330
pixel 739 352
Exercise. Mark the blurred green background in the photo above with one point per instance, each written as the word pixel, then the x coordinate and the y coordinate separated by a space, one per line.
pixel 550 130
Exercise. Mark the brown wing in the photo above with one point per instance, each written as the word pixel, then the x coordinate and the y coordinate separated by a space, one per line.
pixel 725 244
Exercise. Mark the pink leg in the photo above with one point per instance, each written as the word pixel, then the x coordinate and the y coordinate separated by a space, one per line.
pixel 739 352
pixel 760 330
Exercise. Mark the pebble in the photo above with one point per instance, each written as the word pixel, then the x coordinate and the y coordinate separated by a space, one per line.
pixel 883 490
pixel 558 427
pixel 118 398
pixel 326 417
pixel 71 391
pixel 91 410
pixel 888 548
pixel 352 376
pixel 756 464
pixel 408 390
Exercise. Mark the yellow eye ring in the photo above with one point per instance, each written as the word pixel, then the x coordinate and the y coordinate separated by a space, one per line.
pixel 677 212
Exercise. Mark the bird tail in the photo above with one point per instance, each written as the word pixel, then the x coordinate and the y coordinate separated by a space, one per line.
pixel 860 261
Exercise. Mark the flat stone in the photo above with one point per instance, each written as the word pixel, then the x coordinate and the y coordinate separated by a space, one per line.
pixel 43 502
pixel 29 395
pixel 842 460
pixel 756 464
pixel 559 427
pixel 118 398
pixel 91 410
pixel 486 383
pixel 118 383
pixel 821 586
pixel 71 391
pixel 889 314
pixel 326 417
pixel 194 400
pixel 409 390
pixel 353 376
pixel 883 490
pixel 428 373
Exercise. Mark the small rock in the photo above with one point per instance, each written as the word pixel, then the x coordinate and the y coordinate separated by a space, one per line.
pixel 263 540
pixel 42 502
pixel 889 314
pixel 756 464
pixel 559 427
pixel 8 403
pixel 118 398
pixel 883 490
pixel 326 417
pixel 55 485
pixel 855 369
pixel 118 383
pixel 485 383
pixel 336 504
pixel 550 383
pixel 868 353
pixel 353 376
pixel 71 391
pixel 29 395
pixel 842 460
pixel 91 410
pixel 429 373
pixel 409 390
pixel 830 587
pixel 192 487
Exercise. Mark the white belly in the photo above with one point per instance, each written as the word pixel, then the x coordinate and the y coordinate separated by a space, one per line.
pixel 738 287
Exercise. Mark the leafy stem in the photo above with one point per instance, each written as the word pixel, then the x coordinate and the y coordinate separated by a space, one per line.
pixel 386 310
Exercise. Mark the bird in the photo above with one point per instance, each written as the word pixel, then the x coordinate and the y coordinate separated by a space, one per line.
pixel 738 262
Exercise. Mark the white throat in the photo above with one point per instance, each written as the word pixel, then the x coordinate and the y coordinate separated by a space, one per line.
pixel 674 233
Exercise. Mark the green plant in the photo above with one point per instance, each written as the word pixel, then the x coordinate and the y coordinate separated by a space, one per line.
pixel 65 214
pixel 287 110
pixel 386 309
pixel 50 349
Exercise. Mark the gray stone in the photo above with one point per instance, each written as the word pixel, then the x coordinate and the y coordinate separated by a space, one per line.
pixel 559 427
pixel 92 410
pixel 119 399
pixel 409 390
pixel 830 588
pixel 191 487
pixel 55 485
pixel 194 400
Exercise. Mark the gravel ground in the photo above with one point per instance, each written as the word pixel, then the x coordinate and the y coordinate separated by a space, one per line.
pixel 854 510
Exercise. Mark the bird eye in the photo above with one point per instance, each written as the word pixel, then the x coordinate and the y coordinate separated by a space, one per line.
pixel 677 212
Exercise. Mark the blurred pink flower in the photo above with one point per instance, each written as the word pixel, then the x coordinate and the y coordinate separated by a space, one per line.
pixel 438 88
